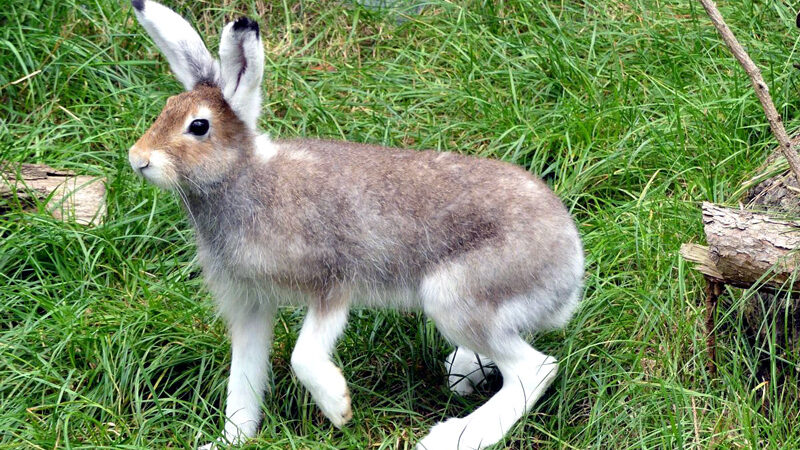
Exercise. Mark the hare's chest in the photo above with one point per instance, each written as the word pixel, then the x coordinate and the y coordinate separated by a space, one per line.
pixel 253 255
pixel 234 254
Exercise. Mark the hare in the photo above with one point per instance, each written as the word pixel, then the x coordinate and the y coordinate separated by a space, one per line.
pixel 482 247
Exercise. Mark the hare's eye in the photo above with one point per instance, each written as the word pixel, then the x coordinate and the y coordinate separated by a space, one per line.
pixel 199 127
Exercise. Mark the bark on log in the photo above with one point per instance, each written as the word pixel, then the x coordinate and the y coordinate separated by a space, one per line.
pixel 69 197
pixel 781 310
pixel 746 248
pixel 751 247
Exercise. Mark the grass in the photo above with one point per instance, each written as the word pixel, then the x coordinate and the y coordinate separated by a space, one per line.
pixel 633 111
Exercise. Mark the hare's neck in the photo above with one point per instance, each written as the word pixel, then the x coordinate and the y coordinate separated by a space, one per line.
pixel 222 213
pixel 216 209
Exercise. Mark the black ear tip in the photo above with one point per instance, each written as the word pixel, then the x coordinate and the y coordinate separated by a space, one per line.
pixel 243 23
pixel 797 20
pixel 138 5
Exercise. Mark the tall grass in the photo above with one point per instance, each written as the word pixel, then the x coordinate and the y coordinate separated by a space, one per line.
pixel 633 111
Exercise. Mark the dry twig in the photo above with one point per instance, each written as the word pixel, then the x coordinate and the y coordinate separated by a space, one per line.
pixel 762 91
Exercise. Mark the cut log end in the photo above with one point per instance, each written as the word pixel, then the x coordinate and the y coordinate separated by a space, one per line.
pixel 70 197
pixel 699 255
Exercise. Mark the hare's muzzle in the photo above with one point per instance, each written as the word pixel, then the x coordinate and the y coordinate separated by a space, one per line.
pixel 139 159
pixel 154 165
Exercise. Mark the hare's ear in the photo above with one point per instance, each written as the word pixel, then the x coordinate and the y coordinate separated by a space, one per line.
pixel 188 57
pixel 241 58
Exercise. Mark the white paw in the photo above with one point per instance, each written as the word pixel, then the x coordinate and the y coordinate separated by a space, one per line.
pixel 466 370
pixel 334 400
pixel 237 433
pixel 456 434
pixel 458 369
pixel 460 385
pixel 234 435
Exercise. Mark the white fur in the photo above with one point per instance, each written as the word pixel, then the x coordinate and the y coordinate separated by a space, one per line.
pixel 443 155
pixel 466 370
pixel 160 170
pixel 251 337
pixel 249 316
pixel 526 375
pixel 242 61
pixel 299 155
pixel 526 372
pixel 180 43
pixel 311 361
pixel 265 149
pixel 399 298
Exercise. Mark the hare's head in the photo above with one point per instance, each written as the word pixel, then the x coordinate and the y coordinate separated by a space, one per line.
pixel 202 133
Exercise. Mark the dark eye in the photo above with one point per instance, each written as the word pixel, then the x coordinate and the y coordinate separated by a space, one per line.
pixel 199 127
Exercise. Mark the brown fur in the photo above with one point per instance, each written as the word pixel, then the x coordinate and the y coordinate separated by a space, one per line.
pixel 187 153
pixel 359 213
pixel 482 247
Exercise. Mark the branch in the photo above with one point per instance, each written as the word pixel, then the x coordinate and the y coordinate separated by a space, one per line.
pixel 762 91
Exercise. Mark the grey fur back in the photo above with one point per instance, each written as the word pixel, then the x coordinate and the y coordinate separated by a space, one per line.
pixel 322 213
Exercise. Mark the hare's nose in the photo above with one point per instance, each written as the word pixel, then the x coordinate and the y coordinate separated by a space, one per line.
pixel 138 161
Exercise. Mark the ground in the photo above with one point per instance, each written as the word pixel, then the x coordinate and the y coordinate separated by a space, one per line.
pixel 633 112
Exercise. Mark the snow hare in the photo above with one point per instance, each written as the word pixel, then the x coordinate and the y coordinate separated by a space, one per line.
pixel 482 247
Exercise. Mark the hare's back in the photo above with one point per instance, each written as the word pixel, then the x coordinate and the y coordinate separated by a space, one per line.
pixel 378 203
pixel 422 184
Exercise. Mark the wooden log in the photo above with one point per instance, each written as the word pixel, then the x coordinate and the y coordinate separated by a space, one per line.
pixel 68 196
pixel 748 247
pixel 778 194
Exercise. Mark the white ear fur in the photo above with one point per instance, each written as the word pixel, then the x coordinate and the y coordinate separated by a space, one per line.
pixel 242 63
pixel 188 57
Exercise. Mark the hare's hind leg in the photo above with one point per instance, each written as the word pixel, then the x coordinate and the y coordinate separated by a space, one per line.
pixel 311 357
pixel 467 370
pixel 526 375
pixel 479 326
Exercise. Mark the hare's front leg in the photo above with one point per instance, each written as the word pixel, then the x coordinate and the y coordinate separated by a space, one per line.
pixel 250 329
pixel 311 358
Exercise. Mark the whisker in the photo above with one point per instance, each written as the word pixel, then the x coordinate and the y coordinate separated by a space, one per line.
pixel 185 200
pixel 199 188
